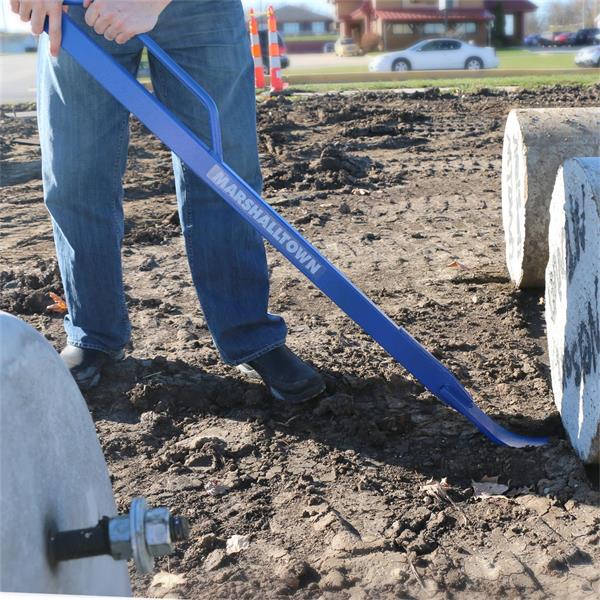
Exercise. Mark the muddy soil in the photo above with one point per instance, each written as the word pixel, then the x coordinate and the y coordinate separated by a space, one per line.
pixel 366 492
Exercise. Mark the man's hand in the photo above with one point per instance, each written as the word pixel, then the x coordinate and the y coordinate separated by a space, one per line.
pixel 120 20
pixel 36 11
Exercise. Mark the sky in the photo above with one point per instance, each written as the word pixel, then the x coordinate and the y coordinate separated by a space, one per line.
pixel 11 22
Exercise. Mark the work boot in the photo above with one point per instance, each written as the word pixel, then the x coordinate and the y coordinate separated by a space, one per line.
pixel 86 365
pixel 288 378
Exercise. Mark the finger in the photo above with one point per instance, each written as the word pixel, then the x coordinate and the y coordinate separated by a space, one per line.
pixel 111 32
pixel 102 24
pixel 14 6
pixel 92 14
pixel 25 11
pixel 123 37
pixel 54 29
pixel 37 21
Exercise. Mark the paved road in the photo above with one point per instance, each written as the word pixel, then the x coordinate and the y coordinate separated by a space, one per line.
pixel 17 71
pixel 17 77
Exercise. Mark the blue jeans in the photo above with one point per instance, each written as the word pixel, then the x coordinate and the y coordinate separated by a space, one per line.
pixel 84 137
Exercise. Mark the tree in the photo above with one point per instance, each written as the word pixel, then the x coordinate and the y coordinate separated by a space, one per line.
pixel 536 22
pixel 498 29
pixel 571 14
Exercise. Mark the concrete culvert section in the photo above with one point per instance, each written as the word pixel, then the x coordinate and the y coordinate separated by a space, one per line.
pixel 536 143
pixel 573 302
pixel 53 476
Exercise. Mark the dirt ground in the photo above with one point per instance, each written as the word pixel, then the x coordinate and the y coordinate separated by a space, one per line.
pixel 366 492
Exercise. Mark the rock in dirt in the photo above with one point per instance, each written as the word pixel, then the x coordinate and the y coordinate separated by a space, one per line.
pixel 234 437
pixel 333 581
pixel 568 559
pixel 291 573
pixel 423 544
pixel 149 264
pixel 202 462
pixel 416 518
pixel 333 158
pixel 346 541
pixel 165 584
pixel 207 542
pixel 215 560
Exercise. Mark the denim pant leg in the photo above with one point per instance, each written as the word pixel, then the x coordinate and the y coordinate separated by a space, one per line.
pixel 227 257
pixel 84 138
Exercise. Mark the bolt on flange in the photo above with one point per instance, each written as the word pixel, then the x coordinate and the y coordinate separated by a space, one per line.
pixel 143 534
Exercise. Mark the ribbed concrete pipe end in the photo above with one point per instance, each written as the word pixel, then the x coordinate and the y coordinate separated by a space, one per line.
pixel 573 303
pixel 53 476
pixel 536 143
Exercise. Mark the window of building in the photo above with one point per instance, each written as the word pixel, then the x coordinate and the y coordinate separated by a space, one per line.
pixel 291 28
pixel 509 25
pixel 465 28
pixel 401 29
pixel 434 28
pixel 318 27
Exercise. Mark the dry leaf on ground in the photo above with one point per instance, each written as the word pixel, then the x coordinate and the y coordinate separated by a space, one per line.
pixel 214 488
pixel 437 489
pixel 59 306
pixel 488 487
pixel 237 543
pixel 456 265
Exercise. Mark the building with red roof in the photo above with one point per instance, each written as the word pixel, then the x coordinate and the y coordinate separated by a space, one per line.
pixel 394 24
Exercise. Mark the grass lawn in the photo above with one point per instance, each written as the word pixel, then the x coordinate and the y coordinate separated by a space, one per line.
pixel 312 38
pixel 524 59
pixel 337 66
pixel 466 85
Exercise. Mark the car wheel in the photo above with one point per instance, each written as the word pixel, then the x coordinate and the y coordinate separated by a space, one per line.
pixel 400 65
pixel 473 64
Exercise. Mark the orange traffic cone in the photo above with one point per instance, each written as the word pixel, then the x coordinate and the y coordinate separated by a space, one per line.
pixel 274 56
pixel 259 71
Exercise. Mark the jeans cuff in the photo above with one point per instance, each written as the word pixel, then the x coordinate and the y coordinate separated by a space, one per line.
pixel 253 355
pixel 86 346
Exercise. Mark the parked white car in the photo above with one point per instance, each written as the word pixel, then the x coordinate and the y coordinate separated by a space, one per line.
pixel 437 55
pixel 588 57
pixel 346 47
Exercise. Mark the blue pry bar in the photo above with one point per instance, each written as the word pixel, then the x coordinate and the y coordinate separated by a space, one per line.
pixel 208 164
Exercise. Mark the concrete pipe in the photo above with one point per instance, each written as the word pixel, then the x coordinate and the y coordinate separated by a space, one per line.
pixel 536 143
pixel 52 472
pixel 573 302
